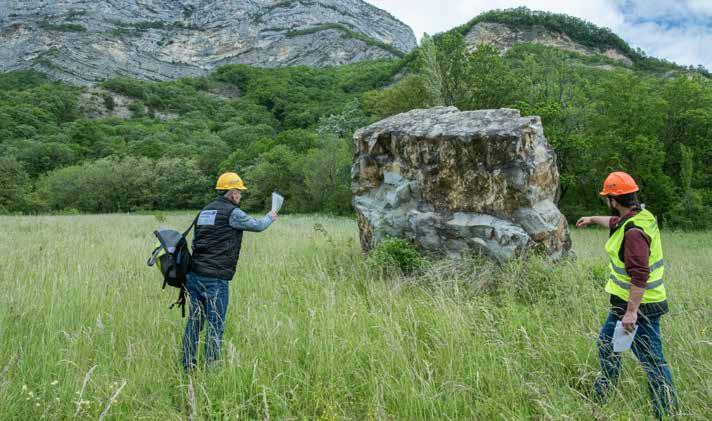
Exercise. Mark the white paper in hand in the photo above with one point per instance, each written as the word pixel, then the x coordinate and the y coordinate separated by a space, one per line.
pixel 277 201
pixel 622 340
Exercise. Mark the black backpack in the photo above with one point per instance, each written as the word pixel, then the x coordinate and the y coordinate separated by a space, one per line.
pixel 173 258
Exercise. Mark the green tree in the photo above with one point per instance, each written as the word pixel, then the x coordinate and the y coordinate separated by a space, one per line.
pixel 452 65
pixel 40 157
pixel 407 94
pixel 105 185
pixel 15 184
pixel 274 171
pixel 179 183
pixel 494 84
pixel 240 136
pixel 432 76
pixel 298 140
pixel 344 124
pixel 326 172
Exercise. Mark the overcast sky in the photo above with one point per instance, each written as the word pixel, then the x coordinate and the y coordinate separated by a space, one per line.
pixel 677 30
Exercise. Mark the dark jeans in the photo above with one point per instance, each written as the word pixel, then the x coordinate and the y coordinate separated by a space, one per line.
pixel 208 300
pixel 649 351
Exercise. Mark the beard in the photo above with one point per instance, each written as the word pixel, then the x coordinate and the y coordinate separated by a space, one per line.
pixel 611 209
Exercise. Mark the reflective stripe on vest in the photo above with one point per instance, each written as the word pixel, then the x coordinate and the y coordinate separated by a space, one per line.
pixel 627 285
pixel 619 282
pixel 621 271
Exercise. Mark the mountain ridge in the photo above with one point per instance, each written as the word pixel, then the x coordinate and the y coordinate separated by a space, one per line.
pixel 83 42
pixel 505 27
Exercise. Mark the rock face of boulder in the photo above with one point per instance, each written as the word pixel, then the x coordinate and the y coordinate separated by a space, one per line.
pixel 85 41
pixel 476 181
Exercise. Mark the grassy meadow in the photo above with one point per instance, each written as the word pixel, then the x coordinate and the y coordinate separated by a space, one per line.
pixel 316 332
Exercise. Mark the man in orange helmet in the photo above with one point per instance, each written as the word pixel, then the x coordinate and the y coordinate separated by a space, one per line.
pixel 638 296
pixel 216 249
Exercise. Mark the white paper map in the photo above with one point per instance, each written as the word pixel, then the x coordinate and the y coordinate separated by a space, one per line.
pixel 277 201
pixel 622 340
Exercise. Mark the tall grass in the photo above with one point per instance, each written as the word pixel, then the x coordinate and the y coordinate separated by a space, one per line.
pixel 314 332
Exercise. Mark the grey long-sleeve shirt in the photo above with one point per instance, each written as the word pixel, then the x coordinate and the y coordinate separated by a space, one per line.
pixel 242 221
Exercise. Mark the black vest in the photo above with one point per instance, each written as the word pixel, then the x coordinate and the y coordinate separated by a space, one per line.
pixel 216 245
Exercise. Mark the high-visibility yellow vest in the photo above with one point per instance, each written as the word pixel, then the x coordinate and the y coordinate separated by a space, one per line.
pixel 619 281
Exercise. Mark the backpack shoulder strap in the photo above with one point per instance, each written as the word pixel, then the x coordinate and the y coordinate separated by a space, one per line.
pixel 195 221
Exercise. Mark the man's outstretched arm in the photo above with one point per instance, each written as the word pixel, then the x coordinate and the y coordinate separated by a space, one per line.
pixel 241 221
pixel 604 221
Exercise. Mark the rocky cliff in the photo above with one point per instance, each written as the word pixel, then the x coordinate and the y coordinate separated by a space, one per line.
pixel 84 41
pixel 504 36
pixel 484 181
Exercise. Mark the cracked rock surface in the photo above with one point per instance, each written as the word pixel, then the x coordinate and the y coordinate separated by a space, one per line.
pixel 452 182
pixel 86 41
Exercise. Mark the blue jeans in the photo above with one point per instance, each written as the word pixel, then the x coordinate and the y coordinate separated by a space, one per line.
pixel 649 351
pixel 208 300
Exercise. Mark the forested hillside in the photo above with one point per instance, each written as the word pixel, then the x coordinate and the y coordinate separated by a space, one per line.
pixel 579 30
pixel 271 125
pixel 134 145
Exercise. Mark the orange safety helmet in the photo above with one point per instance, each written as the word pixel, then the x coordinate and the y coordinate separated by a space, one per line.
pixel 619 183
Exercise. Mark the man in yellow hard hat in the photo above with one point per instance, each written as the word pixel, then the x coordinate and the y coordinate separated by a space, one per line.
pixel 216 250
pixel 638 297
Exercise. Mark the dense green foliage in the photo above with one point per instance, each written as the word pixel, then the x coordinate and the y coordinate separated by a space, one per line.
pixel 289 129
pixel 315 332
pixel 282 129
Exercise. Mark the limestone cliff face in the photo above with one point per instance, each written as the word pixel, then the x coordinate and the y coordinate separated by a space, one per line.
pixel 85 41
pixel 504 37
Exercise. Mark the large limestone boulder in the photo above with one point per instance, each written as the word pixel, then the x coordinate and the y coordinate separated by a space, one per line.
pixel 452 182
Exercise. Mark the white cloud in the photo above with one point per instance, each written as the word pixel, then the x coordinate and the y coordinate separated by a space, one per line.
pixel 667 9
pixel 701 6
pixel 683 45
pixel 677 30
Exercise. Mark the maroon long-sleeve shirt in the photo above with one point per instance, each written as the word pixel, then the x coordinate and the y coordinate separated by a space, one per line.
pixel 636 251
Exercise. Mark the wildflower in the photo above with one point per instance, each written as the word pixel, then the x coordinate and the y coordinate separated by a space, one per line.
pixel 37 404
pixel 24 388
pixel 55 383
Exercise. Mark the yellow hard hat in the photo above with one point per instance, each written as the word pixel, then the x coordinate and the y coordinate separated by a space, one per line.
pixel 229 181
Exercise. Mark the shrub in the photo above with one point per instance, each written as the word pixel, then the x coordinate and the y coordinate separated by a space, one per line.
pixel 63 27
pixel 105 185
pixel 109 102
pixel 137 108
pixel 399 254
pixel 15 182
